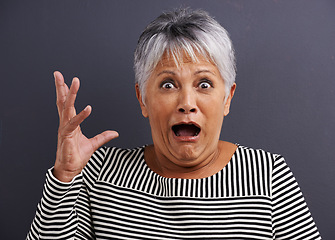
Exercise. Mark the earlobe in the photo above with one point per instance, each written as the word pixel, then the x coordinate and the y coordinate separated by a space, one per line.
pixel 140 100
pixel 228 101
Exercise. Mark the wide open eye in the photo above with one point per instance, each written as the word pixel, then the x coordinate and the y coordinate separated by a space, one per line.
pixel 205 84
pixel 167 85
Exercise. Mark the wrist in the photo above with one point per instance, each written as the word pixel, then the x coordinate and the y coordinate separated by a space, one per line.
pixel 64 176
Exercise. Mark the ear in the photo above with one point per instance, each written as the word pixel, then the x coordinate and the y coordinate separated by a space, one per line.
pixel 228 101
pixel 140 100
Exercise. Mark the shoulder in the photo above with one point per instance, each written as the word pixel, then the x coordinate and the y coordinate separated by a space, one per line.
pixel 257 154
pixel 258 170
pixel 259 161
pixel 107 159
pixel 105 154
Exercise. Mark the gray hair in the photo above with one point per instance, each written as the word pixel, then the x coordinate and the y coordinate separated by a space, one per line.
pixel 179 31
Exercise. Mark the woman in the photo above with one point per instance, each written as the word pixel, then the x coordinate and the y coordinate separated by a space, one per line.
pixel 188 184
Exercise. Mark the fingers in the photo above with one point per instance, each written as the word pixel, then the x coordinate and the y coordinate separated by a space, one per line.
pixel 69 121
pixel 61 91
pixel 66 97
pixel 69 110
pixel 103 138
pixel 77 119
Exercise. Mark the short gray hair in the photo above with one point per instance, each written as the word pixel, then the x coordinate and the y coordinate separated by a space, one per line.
pixel 192 31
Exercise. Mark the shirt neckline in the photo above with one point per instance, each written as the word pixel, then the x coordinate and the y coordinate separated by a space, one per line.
pixel 162 177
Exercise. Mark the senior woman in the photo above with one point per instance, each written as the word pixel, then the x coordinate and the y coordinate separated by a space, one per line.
pixel 188 184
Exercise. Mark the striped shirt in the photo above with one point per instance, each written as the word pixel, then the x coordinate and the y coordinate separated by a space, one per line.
pixel 117 196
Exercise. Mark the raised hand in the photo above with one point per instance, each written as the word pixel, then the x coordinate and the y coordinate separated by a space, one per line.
pixel 73 148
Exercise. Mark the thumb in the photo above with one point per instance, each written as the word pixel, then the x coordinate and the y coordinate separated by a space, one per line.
pixel 103 138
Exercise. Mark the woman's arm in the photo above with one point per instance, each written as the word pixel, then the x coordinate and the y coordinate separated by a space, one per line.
pixel 56 216
pixel 64 191
pixel 73 148
pixel 64 211
pixel 291 217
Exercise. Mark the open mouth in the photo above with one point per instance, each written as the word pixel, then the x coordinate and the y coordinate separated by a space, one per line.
pixel 186 130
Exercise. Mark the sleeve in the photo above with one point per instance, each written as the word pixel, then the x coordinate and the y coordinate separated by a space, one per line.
pixel 64 210
pixel 291 217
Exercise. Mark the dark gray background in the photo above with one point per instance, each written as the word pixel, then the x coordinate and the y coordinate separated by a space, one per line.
pixel 284 101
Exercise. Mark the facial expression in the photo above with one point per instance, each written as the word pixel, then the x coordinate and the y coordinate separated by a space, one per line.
pixel 185 105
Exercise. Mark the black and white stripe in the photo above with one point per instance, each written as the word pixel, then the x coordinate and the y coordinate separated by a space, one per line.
pixel 118 197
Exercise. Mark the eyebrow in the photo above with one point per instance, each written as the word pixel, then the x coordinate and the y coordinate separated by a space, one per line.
pixel 197 72
pixel 166 71
pixel 204 71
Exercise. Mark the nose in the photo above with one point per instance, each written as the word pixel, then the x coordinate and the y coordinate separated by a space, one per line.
pixel 187 102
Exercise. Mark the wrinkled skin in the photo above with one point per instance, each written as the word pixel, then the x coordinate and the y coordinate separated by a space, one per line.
pixel 73 148
pixel 192 93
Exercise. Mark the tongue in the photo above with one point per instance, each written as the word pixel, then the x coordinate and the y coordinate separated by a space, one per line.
pixel 186 131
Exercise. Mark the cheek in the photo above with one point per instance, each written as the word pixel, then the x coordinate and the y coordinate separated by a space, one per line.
pixel 214 102
pixel 214 111
pixel 158 112
pixel 164 103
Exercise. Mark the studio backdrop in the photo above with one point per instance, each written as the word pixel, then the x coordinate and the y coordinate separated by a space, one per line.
pixel 284 102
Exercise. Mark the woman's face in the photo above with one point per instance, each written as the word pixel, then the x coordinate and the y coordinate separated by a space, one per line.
pixel 185 106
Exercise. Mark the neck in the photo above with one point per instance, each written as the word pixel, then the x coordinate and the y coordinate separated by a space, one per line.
pixel 194 169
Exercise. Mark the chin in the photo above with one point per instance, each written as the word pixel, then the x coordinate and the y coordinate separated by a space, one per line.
pixel 187 154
